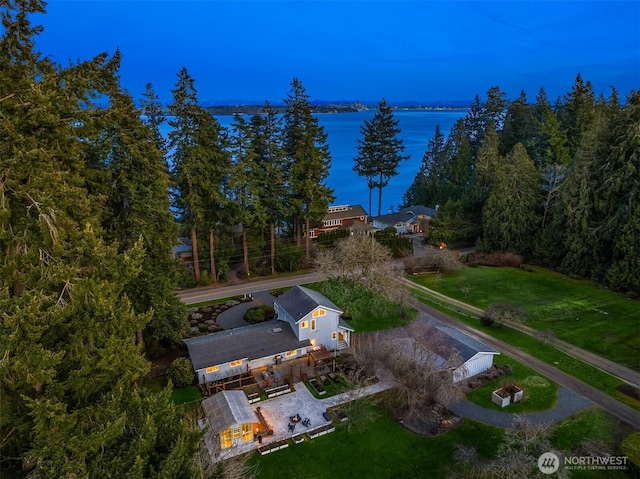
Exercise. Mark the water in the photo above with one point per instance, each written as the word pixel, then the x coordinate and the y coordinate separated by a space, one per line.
pixel 343 131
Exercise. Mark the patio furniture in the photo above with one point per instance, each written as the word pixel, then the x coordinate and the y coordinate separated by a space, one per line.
pixel 295 418
pixel 306 422
pixel 292 427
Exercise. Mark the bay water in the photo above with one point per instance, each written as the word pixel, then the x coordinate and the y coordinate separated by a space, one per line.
pixel 343 132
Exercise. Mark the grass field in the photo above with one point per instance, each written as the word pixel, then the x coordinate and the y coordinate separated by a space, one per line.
pixel 539 393
pixel 369 311
pixel 579 369
pixel 577 311
pixel 387 450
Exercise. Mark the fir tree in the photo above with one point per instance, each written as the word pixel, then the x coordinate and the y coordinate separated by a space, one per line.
pixel 379 150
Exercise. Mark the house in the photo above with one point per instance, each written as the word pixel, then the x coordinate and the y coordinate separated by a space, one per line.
pixel 235 351
pixel 406 221
pixel 183 250
pixel 306 321
pixel 313 317
pixel 338 216
pixel 231 419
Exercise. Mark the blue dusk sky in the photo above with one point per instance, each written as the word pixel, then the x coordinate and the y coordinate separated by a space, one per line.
pixel 366 50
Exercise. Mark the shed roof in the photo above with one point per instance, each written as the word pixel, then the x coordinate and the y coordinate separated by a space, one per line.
pixel 228 408
pixel 300 301
pixel 466 346
pixel 250 342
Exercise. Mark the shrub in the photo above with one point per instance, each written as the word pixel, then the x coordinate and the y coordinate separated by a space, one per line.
pixel 258 314
pixel 486 320
pixel 180 372
pixel 496 259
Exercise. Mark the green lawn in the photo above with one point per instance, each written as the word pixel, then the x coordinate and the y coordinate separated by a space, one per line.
pixel 592 424
pixel 387 450
pixel 539 392
pixel 384 450
pixel 577 311
pixel 579 369
pixel 369 311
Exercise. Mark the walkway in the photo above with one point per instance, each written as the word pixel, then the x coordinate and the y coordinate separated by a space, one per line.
pixel 569 403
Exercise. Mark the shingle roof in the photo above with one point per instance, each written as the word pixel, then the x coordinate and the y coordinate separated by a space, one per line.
pixel 228 408
pixel 352 212
pixel 465 345
pixel 300 301
pixel 419 210
pixel 251 342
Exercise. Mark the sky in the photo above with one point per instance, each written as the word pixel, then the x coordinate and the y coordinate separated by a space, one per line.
pixel 425 51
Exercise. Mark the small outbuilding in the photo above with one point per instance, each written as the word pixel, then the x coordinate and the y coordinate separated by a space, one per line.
pixel 231 419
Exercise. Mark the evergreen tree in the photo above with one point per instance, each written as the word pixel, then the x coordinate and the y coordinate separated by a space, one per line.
pixel 71 367
pixel 245 185
pixel 379 150
pixel 509 215
pixel 154 116
pixel 309 159
pixel 138 207
pixel 200 166
pixel 426 187
pixel 270 161
pixel 518 125
pixel 577 112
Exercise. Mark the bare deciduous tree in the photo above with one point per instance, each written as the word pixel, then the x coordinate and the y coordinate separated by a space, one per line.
pixel 504 313
pixel 360 258
pixel 433 259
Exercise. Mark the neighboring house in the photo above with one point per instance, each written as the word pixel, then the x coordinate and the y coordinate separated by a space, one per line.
pixel 305 320
pixel 407 220
pixel 183 250
pixel 231 419
pixel 338 216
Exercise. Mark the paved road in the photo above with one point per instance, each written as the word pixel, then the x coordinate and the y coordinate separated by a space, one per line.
pixel 199 295
pixel 614 407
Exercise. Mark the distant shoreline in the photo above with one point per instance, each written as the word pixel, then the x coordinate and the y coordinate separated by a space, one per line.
pixel 258 109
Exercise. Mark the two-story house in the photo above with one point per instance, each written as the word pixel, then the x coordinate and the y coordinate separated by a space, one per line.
pixel 340 216
pixel 406 221
pixel 305 320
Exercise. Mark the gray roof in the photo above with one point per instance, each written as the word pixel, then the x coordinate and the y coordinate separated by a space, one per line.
pixel 228 408
pixel 251 342
pixel 465 345
pixel 405 215
pixel 352 211
pixel 300 301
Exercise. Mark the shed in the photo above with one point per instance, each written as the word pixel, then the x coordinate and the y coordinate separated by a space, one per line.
pixel 231 418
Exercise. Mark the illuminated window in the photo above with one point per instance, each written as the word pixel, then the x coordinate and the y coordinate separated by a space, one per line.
pixel 313 325
pixel 225 439
pixel 304 324
pixel 247 433
pixel 291 353
pixel 333 335
pixel 236 363
pixel 319 312
pixel 236 432
pixel 212 369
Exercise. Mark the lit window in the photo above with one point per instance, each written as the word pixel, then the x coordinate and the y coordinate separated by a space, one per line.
pixel 333 335
pixel 236 432
pixel 212 369
pixel 236 363
pixel 313 325
pixel 247 432
pixel 319 312
pixel 304 325
pixel 225 439
pixel 291 353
